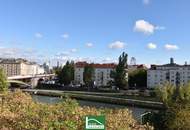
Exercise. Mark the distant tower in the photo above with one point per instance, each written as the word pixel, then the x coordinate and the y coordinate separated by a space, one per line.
pixel 133 61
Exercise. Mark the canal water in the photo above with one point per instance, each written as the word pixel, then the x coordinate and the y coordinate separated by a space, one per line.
pixel 136 111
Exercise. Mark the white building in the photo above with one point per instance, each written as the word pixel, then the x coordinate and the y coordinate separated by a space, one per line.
pixel 172 73
pixel 101 76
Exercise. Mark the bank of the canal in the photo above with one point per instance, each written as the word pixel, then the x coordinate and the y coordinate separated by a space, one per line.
pixel 98 98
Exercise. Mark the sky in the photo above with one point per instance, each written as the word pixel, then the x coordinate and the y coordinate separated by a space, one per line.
pixel 152 31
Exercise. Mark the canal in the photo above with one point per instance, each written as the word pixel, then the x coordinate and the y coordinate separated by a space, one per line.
pixel 136 111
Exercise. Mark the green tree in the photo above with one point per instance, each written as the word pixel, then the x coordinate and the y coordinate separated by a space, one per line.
pixel 3 82
pixel 176 115
pixel 138 78
pixel 57 70
pixel 120 73
pixel 67 73
pixel 88 75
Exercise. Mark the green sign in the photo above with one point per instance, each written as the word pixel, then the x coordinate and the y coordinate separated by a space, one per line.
pixel 95 123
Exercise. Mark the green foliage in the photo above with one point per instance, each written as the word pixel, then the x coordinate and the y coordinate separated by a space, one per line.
pixel 138 78
pixel 67 73
pixel 184 93
pixel 20 112
pixel 119 75
pixel 166 93
pixel 57 70
pixel 88 75
pixel 3 82
pixel 176 115
pixel 179 118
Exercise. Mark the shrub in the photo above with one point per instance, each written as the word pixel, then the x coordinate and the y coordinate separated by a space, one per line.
pixel 3 82
pixel 20 112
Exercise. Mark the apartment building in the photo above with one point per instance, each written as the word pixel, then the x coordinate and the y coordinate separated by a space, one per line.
pixel 172 73
pixel 101 75
pixel 14 67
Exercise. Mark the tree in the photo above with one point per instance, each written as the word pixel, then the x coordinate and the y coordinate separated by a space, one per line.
pixel 176 115
pixel 57 70
pixel 138 78
pixel 120 73
pixel 88 75
pixel 3 82
pixel 67 73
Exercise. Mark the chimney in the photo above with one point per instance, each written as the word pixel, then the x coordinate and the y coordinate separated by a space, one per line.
pixel 171 60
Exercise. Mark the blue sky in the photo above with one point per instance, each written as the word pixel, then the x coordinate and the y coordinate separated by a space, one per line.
pixel 95 30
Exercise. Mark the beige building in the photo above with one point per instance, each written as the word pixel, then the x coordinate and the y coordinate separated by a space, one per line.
pixel 15 67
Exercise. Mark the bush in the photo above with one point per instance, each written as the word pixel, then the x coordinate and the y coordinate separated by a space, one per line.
pixel 20 112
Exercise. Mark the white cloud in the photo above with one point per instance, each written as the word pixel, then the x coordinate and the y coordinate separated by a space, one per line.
pixel 146 2
pixel 152 46
pixel 60 54
pixel 89 44
pixel 73 50
pixel 160 28
pixel 107 59
pixel 65 36
pixel 117 45
pixel 171 47
pixel 38 35
pixel 146 27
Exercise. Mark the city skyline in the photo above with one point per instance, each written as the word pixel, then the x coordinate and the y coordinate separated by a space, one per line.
pixel 150 30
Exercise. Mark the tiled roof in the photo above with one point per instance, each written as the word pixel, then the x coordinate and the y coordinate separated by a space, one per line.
pixel 83 64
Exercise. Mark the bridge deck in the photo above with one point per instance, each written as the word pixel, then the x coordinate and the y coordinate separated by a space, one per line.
pixel 29 76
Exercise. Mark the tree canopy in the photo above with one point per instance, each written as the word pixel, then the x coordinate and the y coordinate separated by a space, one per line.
pixel 88 74
pixel 66 75
pixel 138 78
pixel 120 73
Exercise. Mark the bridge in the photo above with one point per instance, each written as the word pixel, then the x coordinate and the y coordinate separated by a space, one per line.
pixel 29 80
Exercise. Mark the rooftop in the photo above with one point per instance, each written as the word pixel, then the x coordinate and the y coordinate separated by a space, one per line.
pixel 83 64
pixel 15 61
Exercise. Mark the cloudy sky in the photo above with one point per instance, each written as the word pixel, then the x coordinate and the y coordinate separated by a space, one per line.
pixel 95 30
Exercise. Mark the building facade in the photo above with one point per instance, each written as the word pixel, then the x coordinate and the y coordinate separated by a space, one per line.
pixel 173 73
pixel 15 67
pixel 101 74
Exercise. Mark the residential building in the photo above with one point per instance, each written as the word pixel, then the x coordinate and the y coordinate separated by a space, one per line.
pixel 172 73
pixel 101 75
pixel 14 67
